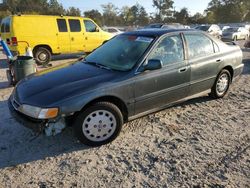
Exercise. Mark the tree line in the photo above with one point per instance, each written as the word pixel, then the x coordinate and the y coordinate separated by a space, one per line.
pixel 218 11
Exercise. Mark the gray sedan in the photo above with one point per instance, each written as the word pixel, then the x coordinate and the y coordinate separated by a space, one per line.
pixel 131 75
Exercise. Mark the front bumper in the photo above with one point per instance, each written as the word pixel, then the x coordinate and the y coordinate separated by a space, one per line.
pixel 31 123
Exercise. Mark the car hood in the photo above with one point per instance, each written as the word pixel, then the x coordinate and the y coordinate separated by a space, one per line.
pixel 48 87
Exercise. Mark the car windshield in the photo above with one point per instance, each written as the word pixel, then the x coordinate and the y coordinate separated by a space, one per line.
pixel 232 29
pixel 120 53
pixel 203 28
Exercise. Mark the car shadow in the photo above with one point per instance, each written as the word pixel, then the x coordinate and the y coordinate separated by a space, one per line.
pixel 19 145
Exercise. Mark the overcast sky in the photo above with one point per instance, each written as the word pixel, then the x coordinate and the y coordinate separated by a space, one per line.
pixel 192 5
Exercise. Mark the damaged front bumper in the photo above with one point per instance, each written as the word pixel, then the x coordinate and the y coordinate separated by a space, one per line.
pixel 49 127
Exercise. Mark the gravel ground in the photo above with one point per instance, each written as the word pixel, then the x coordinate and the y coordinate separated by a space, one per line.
pixel 200 143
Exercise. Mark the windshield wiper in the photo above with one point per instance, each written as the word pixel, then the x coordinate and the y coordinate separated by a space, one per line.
pixel 97 65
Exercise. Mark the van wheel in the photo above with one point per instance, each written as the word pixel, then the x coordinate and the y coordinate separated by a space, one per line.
pixel 221 84
pixel 42 56
pixel 99 124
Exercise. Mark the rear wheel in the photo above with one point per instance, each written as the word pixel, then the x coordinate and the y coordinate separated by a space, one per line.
pixel 221 84
pixel 99 124
pixel 42 56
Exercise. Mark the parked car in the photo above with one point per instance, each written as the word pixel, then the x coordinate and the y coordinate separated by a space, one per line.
pixel 213 30
pixel 235 33
pixel 113 30
pixel 133 74
pixel 165 26
pixel 49 35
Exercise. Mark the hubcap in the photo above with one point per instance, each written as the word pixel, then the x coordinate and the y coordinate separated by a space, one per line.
pixel 99 125
pixel 42 56
pixel 222 84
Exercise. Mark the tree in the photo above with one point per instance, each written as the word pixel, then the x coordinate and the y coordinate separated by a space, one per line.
pixel 163 9
pixel 182 16
pixel 110 12
pixel 72 11
pixel 95 15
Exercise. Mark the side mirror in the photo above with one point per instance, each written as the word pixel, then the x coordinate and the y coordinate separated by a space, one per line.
pixel 97 29
pixel 153 64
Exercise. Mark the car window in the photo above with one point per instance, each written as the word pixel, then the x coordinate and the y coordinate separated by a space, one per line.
pixel 5 27
pixel 74 25
pixel 169 50
pixel 62 26
pixel 199 45
pixel 89 26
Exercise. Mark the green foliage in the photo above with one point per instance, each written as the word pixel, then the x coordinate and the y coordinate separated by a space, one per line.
pixel 95 15
pixel 164 9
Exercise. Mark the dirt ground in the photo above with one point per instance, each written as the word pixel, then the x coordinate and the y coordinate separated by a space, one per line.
pixel 200 143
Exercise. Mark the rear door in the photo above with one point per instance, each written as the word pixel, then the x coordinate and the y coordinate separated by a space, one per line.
pixel 92 36
pixel 154 89
pixel 204 59
pixel 76 35
pixel 63 36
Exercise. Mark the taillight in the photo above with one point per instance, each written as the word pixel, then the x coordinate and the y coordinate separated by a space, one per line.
pixel 8 41
pixel 14 41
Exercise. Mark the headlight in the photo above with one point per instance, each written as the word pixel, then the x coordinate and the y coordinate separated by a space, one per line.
pixel 39 113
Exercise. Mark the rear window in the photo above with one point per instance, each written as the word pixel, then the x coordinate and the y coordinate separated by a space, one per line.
pixel 74 25
pixel 5 27
pixel 62 26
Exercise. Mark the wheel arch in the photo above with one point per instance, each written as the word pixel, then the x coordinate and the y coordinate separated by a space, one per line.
pixel 44 46
pixel 231 71
pixel 114 100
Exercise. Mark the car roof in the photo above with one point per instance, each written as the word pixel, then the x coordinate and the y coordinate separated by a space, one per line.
pixel 157 32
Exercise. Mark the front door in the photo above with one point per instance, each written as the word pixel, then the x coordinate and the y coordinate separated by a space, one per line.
pixel 154 89
pixel 76 36
pixel 93 37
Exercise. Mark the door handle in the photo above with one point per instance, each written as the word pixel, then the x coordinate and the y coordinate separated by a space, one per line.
pixel 72 38
pixel 183 70
pixel 86 38
pixel 218 60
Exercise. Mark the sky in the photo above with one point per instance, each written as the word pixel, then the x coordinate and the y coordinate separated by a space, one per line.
pixel 84 5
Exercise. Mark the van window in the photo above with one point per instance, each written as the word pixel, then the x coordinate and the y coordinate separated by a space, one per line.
pixel 5 27
pixel 199 45
pixel 62 26
pixel 2 27
pixel 74 25
pixel 89 26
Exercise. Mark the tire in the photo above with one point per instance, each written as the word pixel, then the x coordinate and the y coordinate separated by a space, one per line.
pixel 221 85
pixel 99 124
pixel 42 56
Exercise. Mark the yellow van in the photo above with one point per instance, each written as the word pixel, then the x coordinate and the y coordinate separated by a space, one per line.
pixel 51 35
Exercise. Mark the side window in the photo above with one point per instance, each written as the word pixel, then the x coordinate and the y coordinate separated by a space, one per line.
pixel 7 25
pixel 199 45
pixel 2 27
pixel 90 26
pixel 169 50
pixel 74 25
pixel 62 26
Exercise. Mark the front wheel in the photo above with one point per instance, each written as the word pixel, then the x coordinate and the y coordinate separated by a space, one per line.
pixel 221 84
pixel 99 124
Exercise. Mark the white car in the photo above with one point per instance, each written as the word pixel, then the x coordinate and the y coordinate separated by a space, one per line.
pixel 113 30
pixel 211 29
pixel 235 33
